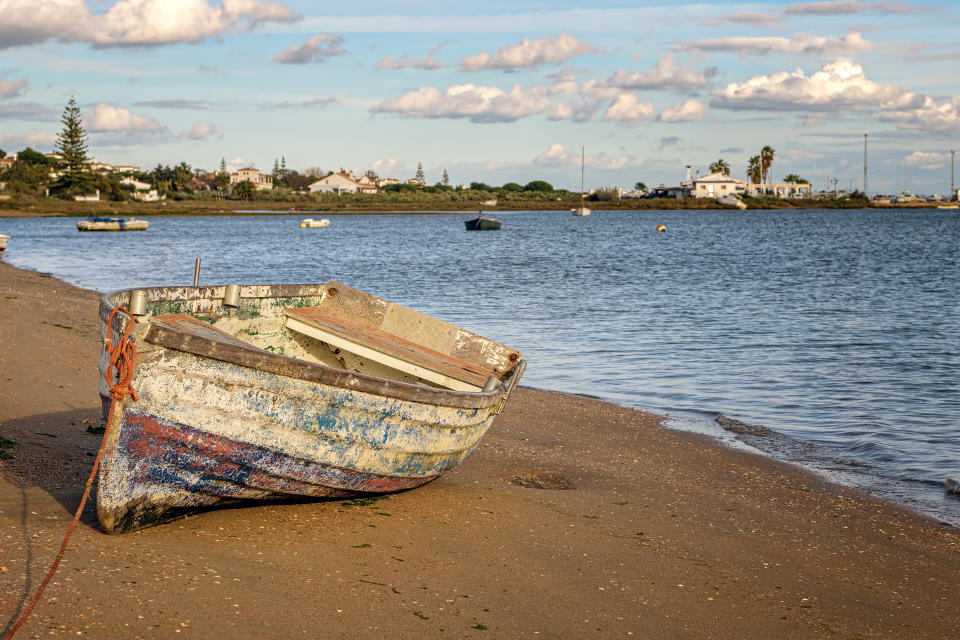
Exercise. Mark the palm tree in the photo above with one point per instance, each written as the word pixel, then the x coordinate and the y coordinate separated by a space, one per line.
pixel 755 170
pixel 795 179
pixel 766 159
pixel 720 166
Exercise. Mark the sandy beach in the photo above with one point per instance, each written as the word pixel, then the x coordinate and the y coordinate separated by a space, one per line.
pixel 575 518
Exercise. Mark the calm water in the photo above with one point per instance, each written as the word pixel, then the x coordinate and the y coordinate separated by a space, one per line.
pixel 839 330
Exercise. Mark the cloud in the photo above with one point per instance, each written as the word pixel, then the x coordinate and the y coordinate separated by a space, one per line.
pixel 211 70
pixel 313 49
pixel 390 63
pixel 476 103
pixel 23 140
pixel 838 86
pixel 928 116
pixel 174 104
pixel 670 141
pixel 10 89
pixel 528 54
pixel 798 43
pixel 387 164
pixel 846 7
pixel 688 111
pixel 109 118
pixel 304 104
pixel 140 23
pixel 666 75
pixel 628 109
pixel 732 150
pixel 558 156
pixel 747 19
pixel 199 132
pixel 27 111
pixel 927 160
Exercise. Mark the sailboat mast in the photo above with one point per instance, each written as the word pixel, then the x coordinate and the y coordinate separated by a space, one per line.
pixel 581 173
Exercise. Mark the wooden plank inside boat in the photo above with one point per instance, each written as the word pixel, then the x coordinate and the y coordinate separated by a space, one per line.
pixel 387 348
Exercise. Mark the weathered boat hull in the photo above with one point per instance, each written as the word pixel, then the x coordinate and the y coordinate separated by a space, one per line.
pixel 225 423
pixel 581 212
pixel 482 224
pixel 112 225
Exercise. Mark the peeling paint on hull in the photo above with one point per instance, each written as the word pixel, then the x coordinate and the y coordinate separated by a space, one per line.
pixel 213 427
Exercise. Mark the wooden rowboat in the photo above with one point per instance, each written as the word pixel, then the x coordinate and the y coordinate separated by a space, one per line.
pixel 263 391
pixel 112 224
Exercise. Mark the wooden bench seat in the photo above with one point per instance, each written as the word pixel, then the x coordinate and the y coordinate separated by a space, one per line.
pixel 386 348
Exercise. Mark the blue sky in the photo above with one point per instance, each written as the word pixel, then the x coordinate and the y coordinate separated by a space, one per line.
pixel 496 91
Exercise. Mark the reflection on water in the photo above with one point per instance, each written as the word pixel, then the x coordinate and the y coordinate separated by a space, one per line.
pixel 836 328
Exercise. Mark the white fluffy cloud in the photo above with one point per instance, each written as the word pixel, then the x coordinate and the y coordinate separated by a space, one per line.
pixel 838 86
pixel 798 43
pixel 528 54
pixel 558 156
pixel 316 48
pixel 107 117
pixel 32 140
pixel 10 89
pixel 384 164
pixel 687 111
pixel 666 75
pixel 928 116
pixel 476 103
pixel 199 132
pixel 131 22
pixel 927 160
pixel 627 109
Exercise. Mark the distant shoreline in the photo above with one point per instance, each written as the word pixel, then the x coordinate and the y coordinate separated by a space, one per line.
pixel 47 207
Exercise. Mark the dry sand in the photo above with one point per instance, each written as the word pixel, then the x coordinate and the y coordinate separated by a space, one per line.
pixel 660 534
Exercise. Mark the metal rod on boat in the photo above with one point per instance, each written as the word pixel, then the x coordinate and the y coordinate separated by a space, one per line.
pixel 196 273
pixel 490 384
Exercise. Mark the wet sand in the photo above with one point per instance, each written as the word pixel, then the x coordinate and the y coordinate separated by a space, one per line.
pixel 658 533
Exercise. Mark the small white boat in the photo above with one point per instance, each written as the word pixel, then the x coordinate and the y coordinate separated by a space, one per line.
pixel 731 200
pixel 3 242
pixel 112 224
pixel 489 203
pixel 309 223
pixel 580 211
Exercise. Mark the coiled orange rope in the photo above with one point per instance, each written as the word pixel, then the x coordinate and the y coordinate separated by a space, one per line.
pixel 121 360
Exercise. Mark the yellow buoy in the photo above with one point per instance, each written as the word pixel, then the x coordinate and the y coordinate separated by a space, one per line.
pixel 662 227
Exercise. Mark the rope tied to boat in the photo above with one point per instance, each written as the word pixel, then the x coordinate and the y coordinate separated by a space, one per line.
pixel 121 360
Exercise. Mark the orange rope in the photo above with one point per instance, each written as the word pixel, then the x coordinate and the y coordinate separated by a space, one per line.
pixel 121 359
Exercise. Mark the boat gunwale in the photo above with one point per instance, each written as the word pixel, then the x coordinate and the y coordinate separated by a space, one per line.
pixel 255 358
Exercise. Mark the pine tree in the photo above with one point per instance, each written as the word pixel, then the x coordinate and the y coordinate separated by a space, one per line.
pixel 283 166
pixel 223 165
pixel 419 177
pixel 445 179
pixel 72 145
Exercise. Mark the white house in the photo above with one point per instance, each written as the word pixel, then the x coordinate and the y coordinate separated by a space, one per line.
pixel 343 182
pixel 142 190
pixel 715 185
pixel 262 181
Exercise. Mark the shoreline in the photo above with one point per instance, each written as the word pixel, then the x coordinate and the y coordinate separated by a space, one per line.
pixel 664 533
pixel 65 208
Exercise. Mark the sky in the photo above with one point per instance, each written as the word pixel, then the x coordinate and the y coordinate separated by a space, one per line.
pixel 497 91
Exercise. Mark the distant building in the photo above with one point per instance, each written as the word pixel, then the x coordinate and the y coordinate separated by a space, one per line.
pixel 343 182
pixel 110 168
pixel 262 181
pixel 780 190
pixel 386 182
pixel 142 191
pixel 715 185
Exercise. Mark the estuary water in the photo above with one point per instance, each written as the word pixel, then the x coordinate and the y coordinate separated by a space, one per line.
pixel 832 336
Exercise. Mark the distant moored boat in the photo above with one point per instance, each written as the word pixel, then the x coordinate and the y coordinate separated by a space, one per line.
pixel 309 223
pixel 3 242
pixel 112 224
